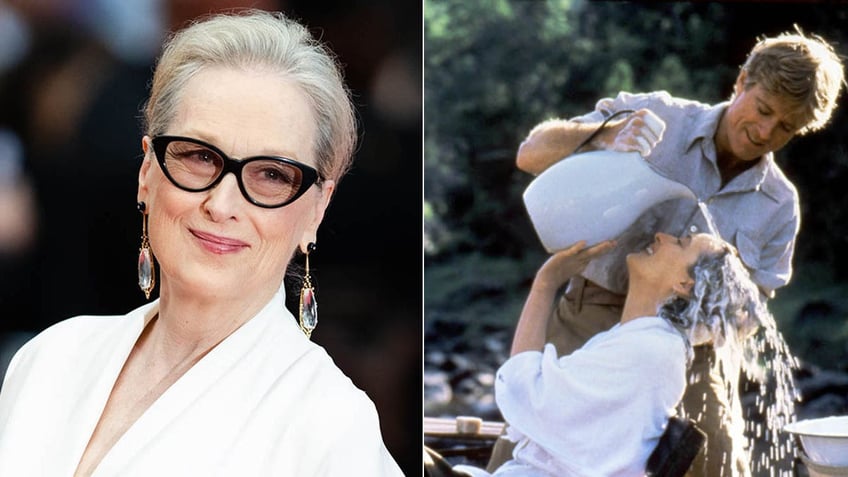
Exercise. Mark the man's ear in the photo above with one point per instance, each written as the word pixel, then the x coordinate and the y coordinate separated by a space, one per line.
pixel 739 86
pixel 684 288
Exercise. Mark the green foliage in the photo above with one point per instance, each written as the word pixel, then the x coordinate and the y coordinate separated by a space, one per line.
pixel 493 69
pixel 620 78
pixel 671 76
pixel 496 68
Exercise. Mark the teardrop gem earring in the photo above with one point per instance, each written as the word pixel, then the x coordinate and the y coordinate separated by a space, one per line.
pixel 308 305
pixel 146 268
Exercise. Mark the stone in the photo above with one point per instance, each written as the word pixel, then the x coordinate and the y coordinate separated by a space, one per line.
pixel 308 309
pixel 145 269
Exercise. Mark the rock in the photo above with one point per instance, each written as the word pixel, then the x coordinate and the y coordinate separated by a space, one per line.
pixel 826 405
pixel 494 344
pixel 486 379
pixel 437 389
pixel 435 359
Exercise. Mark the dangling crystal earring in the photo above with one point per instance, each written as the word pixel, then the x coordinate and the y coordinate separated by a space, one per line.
pixel 146 269
pixel 308 305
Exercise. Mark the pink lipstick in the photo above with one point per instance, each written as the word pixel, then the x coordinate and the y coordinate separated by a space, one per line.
pixel 217 244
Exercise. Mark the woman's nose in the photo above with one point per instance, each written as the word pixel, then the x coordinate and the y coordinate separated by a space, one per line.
pixel 224 199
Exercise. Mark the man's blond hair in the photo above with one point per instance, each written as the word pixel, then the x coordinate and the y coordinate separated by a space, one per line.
pixel 804 69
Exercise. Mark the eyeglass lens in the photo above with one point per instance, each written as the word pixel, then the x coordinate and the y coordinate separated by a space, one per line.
pixel 267 181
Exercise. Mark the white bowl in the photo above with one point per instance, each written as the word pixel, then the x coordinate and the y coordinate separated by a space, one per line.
pixel 825 440
pixel 595 196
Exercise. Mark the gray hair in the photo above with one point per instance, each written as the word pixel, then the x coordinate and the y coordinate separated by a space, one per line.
pixel 258 39
pixel 726 306
pixel 724 303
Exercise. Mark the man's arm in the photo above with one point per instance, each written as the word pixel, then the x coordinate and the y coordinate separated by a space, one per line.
pixel 552 140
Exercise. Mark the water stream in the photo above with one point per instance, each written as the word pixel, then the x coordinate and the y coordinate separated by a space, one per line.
pixel 708 217
pixel 766 361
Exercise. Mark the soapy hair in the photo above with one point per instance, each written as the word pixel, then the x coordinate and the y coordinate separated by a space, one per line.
pixel 723 305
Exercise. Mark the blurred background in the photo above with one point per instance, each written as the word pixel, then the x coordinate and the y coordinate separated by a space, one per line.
pixel 73 77
pixel 495 69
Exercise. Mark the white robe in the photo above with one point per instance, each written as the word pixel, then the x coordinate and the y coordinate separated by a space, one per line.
pixel 596 412
pixel 265 401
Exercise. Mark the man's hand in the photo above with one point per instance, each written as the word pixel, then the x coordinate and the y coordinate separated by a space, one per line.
pixel 640 132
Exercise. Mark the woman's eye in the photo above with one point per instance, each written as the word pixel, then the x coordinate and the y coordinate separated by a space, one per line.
pixel 276 175
pixel 202 155
pixel 196 155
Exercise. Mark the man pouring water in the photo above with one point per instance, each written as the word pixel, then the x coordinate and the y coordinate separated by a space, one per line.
pixel 724 153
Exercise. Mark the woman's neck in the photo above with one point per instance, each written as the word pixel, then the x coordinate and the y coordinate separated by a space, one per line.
pixel 640 301
pixel 189 326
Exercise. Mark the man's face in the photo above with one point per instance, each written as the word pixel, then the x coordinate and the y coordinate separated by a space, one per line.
pixel 757 122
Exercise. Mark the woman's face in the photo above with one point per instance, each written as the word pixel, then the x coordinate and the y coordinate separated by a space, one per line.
pixel 215 244
pixel 666 262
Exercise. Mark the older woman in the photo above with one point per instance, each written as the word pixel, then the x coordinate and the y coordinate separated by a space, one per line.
pixel 248 129
pixel 602 409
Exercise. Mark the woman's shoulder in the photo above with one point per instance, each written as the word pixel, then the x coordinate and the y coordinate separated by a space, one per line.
pixel 327 399
pixel 84 326
pixel 338 388
pixel 80 325
pixel 649 336
pixel 293 358
pixel 76 336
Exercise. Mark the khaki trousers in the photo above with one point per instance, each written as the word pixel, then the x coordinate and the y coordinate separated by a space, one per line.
pixel 586 309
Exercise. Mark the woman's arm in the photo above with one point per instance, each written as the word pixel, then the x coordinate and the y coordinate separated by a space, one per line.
pixel 558 269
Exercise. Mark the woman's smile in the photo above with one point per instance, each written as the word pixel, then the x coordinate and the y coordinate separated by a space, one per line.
pixel 218 244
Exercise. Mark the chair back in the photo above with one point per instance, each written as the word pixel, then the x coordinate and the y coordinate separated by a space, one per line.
pixel 678 446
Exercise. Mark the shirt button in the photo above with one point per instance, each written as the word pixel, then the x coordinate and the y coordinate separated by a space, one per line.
pixel 693 229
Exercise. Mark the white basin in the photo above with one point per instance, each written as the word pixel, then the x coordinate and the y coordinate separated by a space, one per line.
pixel 825 440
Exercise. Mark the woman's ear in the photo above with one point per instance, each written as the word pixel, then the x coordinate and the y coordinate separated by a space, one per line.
pixel 143 190
pixel 310 234
pixel 684 288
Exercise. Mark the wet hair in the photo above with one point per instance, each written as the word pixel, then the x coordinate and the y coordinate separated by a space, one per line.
pixel 724 303
pixel 253 39
pixel 804 69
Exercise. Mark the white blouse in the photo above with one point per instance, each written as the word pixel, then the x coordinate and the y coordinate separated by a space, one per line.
pixel 596 412
pixel 265 401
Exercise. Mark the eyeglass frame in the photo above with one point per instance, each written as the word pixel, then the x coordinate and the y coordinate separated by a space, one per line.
pixel 309 175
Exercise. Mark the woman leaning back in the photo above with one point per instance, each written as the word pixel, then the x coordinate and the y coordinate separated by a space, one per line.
pixel 602 409
pixel 215 377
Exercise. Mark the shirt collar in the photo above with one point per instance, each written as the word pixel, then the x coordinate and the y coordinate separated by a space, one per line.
pixel 706 124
